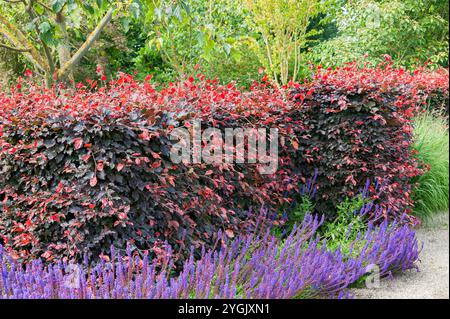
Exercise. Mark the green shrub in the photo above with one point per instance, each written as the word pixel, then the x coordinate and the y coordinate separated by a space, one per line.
pixel 368 29
pixel 303 207
pixel 340 233
pixel 431 143
pixel 349 223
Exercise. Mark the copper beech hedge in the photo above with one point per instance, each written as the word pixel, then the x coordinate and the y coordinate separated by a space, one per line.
pixel 85 168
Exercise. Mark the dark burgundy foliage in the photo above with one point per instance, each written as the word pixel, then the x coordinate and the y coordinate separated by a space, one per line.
pixel 86 168
pixel 357 126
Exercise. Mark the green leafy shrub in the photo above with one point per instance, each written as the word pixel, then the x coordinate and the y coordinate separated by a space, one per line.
pixel 348 225
pixel 303 206
pixel 431 141
pixel 412 32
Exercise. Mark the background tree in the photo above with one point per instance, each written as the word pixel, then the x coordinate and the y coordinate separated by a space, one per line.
pixel 41 31
pixel 282 26
pixel 182 34
pixel 229 39
pixel 411 32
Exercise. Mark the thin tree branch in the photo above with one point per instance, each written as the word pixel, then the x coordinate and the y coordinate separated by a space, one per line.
pixel 48 55
pixel 86 45
pixel 44 6
pixel 18 39
pixel 14 49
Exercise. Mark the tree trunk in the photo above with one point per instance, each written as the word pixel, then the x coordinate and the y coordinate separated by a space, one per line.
pixel 66 67
pixel 63 46
pixel 19 40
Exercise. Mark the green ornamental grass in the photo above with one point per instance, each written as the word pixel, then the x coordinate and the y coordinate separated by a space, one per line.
pixel 431 142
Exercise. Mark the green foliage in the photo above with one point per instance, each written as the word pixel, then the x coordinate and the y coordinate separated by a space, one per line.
pixel 242 66
pixel 343 231
pixel 229 39
pixel 281 31
pixel 412 32
pixel 115 50
pixel 184 34
pixel 54 35
pixel 340 233
pixel 303 206
pixel 432 144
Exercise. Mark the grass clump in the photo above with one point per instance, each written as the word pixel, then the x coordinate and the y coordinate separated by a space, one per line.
pixel 431 141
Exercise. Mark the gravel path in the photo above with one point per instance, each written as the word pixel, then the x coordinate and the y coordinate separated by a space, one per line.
pixel 432 281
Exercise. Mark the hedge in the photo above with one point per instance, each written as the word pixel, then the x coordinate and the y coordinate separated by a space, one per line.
pixel 84 168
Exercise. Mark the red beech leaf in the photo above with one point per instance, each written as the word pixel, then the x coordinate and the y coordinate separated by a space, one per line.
pixel 93 181
pixel 156 155
pixel 229 233
pixel 78 142
pixel 85 157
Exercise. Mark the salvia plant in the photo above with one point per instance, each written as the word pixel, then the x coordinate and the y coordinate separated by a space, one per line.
pixel 250 266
